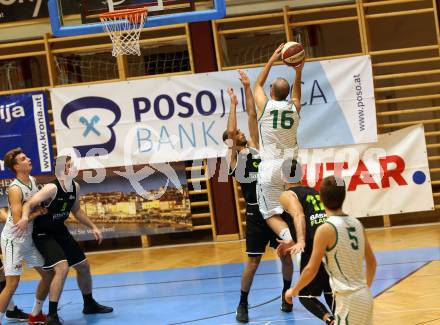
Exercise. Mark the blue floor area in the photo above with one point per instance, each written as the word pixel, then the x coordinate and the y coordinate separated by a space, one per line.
pixel 207 294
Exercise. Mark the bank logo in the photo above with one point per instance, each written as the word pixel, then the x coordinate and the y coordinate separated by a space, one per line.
pixel 90 125
pixel 88 103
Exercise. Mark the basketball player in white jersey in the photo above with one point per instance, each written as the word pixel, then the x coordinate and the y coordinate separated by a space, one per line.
pixel 18 248
pixel 13 313
pixel 243 159
pixel 342 244
pixel 278 120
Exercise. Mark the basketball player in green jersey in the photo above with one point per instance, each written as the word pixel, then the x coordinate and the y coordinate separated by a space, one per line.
pixel 243 158
pixel 13 313
pixel 342 243
pixel 18 248
pixel 278 121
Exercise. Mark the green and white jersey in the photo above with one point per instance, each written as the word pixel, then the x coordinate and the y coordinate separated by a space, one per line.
pixel 344 261
pixel 278 127
pixel 27 191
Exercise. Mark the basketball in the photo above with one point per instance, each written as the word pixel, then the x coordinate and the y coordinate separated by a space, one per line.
pixel 292 54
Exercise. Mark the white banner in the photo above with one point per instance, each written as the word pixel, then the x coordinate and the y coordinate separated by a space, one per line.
pixel 388 177
pixel 183 117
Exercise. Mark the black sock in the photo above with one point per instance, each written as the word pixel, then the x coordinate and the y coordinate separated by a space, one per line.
pixel 53 307
pixel 244 298
pixel 2 285
pixel 88 299
pixel 286 285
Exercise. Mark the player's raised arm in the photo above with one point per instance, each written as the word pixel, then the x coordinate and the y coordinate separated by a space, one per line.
pixel 231 130
pixel 290 203
pixel 296 94
pixel 250 110
pixel 259 94
pixel 370 261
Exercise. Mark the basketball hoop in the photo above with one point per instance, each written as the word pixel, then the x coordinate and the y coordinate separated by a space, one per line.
pixel 124 28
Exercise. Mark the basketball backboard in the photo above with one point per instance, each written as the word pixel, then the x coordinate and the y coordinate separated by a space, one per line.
pixel 160 12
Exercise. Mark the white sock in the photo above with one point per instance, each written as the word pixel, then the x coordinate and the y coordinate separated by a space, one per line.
pixel 38 305
pixel 11 305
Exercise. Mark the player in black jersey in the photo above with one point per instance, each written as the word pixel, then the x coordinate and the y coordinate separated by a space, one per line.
pixel 56 244
pixel 303 204
pixel 243 160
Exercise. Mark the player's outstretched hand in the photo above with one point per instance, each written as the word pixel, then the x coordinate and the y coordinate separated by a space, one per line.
pixel 276 56
pixel 98 234
pixel 290 293
pixel 298 248
pixel 301 66
pixel 284 246
pixel 234 100
pixel 244 79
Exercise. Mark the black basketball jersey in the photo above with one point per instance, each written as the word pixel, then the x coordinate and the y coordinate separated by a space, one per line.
pixel 58 209
pixel 246 173
pixel 314 210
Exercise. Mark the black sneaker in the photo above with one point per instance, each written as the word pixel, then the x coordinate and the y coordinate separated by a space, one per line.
pixel 95 308
pixel 285 306
pixel 52 320
pixel 241 315
pixel 16 315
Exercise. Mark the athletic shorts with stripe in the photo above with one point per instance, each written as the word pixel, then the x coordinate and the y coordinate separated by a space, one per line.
pixel 354 307
pixel 57 247
pixel 17 250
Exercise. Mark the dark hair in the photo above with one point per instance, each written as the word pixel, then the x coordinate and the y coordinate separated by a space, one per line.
pixel 10 158
pixel 292 171
pixel 280 88
pixel 225 135
pixel 332 192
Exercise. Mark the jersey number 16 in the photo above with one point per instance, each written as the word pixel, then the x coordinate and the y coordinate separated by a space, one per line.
pixel 286 120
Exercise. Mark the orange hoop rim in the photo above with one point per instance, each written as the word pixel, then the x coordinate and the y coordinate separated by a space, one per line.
pixel 124 13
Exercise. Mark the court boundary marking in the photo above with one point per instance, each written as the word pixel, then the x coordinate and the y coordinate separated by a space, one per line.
pixel 404 278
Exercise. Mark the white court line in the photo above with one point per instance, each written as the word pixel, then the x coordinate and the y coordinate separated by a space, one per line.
pixel 268 322
pixel 406 311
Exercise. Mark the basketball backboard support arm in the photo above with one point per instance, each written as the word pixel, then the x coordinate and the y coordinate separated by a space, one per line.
pixel 58 30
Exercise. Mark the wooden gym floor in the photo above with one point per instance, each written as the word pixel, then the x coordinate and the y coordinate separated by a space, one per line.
pixel 407 288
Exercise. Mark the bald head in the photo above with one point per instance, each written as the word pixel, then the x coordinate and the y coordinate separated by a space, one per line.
pixel 280 89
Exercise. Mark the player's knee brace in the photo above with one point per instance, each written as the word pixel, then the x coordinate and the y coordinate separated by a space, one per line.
pixel 314 306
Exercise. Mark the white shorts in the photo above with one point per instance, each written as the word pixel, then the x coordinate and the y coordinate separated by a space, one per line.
pixel 354 308
pixel 15 251
pixel 270 185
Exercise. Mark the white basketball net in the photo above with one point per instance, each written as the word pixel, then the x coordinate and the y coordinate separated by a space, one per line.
pixel 124 30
